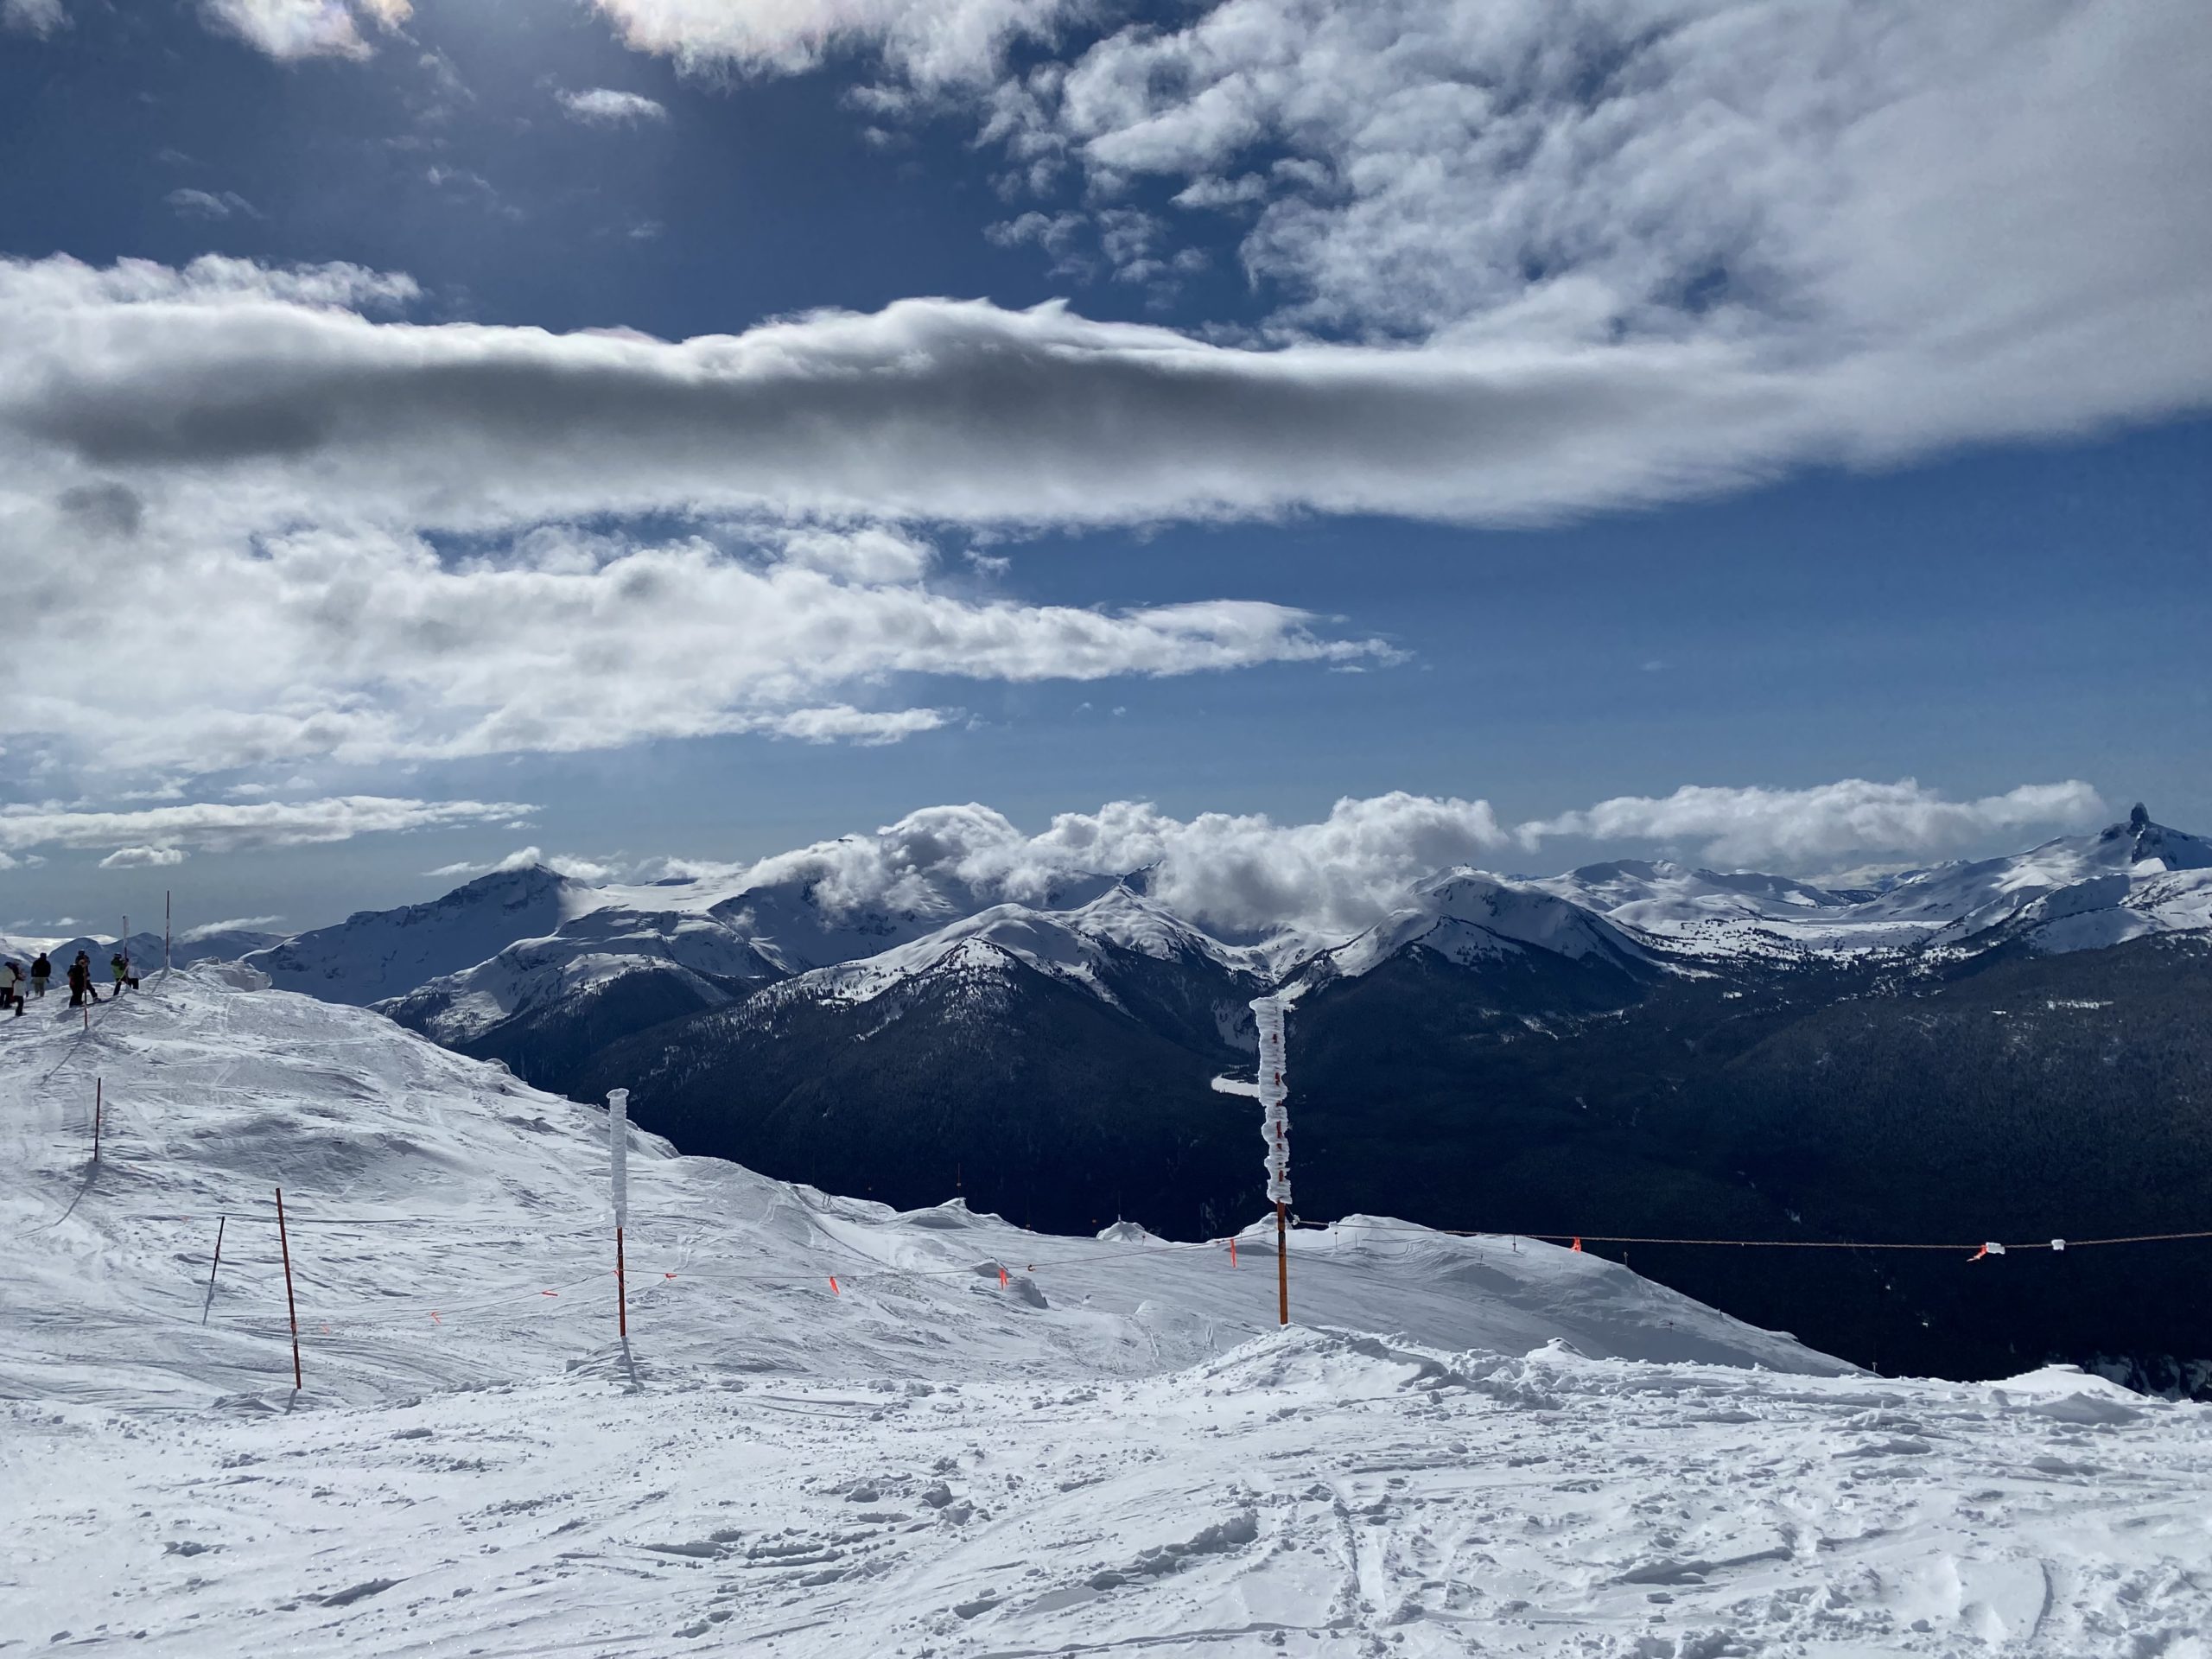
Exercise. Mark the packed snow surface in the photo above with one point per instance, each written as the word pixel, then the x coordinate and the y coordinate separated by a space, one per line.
pixel 983 1442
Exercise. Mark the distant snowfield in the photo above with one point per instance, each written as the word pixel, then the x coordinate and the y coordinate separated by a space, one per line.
pixel 1497 1448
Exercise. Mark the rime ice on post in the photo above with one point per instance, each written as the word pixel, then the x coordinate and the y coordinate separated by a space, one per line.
pixel 617 1169
pixel 1267 1014
pixel 618 1146
pixel 1272 1090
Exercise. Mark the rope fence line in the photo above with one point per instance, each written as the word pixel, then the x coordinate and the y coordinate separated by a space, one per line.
pixel 526 1230
pixel 1973 1250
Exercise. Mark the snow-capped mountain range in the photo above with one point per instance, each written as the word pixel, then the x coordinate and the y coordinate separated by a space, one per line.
pixel 518 944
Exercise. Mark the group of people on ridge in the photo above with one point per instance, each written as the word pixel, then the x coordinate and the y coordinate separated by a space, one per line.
pixel 81 989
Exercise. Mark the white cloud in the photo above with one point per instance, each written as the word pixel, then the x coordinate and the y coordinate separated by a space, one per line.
pixel 1826 170
pixel 1244 873
pixel 1633 250
pixel 205 204
pixel 1236 871
pixel 603 106
pixel 932 42
pixel 1795 828
pixel 292 517
pixel 869 554
pixel 959 409
pixel 229 925
pixel 40 17
pixel 141 858
pixel 527 858
pixel 160 835
pixel 291 29
pixel 368 647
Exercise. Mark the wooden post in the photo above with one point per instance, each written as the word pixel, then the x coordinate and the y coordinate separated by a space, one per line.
pixel 221 1222
pixel 292 1306
pixel 621 1295
pixel 1283 1264
pixel 167 953
pixel 99 1094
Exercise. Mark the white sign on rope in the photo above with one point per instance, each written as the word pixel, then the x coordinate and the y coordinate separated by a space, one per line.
pixel 618 1132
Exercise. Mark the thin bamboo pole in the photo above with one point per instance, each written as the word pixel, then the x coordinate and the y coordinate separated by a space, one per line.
pixel 290 1305
pixel 221 1222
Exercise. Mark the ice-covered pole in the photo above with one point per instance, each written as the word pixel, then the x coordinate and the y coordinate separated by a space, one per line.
pixel 618 1133
pixel 1268 1015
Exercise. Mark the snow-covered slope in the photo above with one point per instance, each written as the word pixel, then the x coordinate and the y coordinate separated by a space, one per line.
pixel 1109 1449
pixel 375 954
pixel 1743 913
pixel 424 1182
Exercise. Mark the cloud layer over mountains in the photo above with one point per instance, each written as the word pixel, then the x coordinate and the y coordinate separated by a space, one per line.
pixel 1234 871
pixel 1246 872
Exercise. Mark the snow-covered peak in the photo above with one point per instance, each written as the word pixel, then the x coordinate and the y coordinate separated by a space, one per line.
pixel 1077 946
pixel 1126 916
pixel 1465 915
pixel 375 954
pixel 2124 869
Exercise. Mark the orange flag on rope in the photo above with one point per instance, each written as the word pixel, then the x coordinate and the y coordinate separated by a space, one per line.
pixel 1577 1247
pixel 834 1291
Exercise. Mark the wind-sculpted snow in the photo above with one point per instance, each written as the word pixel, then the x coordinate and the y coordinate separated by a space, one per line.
pixel 983 1441
pixel 1308 1493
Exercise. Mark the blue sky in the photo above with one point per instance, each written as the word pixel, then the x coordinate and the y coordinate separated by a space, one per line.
pixel 1574 443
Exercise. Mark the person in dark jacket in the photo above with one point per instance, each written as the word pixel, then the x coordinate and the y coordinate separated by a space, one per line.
pixel 11 986
pixel 80 981
pixel 42 971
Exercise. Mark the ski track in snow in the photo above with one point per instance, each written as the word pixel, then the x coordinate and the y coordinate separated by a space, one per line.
pixel 1113 1453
